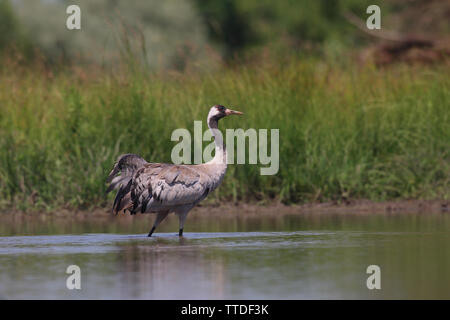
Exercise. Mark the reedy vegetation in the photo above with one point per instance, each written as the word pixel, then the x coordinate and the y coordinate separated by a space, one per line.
pixel 346 131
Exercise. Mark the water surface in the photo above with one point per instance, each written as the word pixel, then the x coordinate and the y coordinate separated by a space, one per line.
pixel 295 256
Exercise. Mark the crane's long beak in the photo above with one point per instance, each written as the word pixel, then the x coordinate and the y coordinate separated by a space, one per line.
pixel 230 112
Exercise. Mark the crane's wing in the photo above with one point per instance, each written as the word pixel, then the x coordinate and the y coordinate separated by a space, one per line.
pixel 160 184
pixel 121 177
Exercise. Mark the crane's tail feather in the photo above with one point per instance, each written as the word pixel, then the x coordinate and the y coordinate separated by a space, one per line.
pixel 121 177
pixel 126 164
pixel 121 195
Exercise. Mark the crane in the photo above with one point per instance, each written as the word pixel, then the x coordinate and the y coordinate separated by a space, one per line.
pixel 162 188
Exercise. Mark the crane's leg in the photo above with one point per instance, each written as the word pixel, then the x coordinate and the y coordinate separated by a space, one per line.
pixel 182 217
pixel 160 216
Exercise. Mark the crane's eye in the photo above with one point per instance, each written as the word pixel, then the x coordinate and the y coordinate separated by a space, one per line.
pixel 221 108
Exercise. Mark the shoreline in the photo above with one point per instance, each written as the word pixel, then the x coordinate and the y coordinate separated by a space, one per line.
pixel 350 207
pixel 272 209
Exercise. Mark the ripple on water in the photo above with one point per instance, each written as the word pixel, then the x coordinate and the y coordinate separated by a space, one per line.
pixel 103 243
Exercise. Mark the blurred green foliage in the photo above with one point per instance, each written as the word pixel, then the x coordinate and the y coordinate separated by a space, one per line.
pixel 228 26
pixel 159 34
pixel 11 31
pixel 240 25
pixel 177 32
pixel 8 24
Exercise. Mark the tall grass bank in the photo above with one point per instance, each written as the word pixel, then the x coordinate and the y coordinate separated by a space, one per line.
pixel 344 131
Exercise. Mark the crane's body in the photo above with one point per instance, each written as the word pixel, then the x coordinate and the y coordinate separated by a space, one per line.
pixel 162 188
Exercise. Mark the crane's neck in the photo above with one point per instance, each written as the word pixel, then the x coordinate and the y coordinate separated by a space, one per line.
pixel 221 150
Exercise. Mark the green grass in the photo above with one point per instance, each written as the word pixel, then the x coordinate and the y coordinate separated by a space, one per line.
pixel 345 131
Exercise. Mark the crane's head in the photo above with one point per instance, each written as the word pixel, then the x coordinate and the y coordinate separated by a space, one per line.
pixel 218 112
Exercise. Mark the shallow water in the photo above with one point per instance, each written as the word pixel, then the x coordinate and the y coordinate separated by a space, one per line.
pixel 316 256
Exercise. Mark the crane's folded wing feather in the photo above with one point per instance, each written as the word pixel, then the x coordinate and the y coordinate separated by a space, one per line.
pixel 159 184
pixel 142 185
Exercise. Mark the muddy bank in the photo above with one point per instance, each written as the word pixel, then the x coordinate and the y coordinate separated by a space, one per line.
pixel 271 209
pixel 354 207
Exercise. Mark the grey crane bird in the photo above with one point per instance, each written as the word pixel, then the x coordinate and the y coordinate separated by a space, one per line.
pixel 162 188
